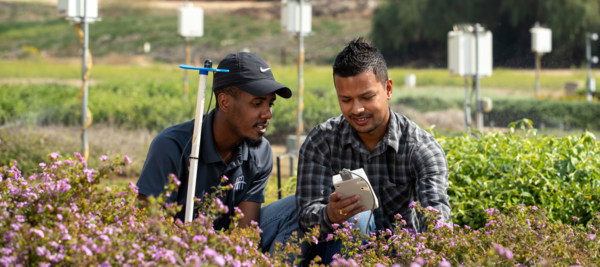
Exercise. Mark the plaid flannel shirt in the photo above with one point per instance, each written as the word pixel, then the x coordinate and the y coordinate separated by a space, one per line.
pixel 407 165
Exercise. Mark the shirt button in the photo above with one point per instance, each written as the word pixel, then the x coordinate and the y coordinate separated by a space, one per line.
pixel 369 160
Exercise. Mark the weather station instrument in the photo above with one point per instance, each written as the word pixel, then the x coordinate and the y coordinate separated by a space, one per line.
pixel 81 13
pixel 470 55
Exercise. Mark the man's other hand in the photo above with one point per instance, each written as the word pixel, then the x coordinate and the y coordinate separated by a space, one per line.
pixel 339 210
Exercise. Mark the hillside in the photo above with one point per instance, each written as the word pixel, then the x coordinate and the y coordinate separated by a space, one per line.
pixel 32 28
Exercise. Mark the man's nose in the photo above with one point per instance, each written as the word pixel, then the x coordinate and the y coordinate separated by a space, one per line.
pixel 267 114
pixel 357 107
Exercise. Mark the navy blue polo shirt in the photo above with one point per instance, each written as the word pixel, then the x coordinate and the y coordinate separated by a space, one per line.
pixel 248 170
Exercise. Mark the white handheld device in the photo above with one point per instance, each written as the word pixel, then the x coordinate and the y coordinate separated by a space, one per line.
pixel 355 182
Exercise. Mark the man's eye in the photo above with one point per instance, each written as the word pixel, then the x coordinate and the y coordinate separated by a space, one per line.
pixel 345 100
pixel 257 104
pixel 370 97
pixel 271 104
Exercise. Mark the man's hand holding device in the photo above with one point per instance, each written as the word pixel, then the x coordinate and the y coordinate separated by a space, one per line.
pixel 339 210
pixel 352 192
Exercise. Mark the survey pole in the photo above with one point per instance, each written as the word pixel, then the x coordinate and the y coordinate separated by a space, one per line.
pixel 196 138
pixel 84 103
pixel 300 128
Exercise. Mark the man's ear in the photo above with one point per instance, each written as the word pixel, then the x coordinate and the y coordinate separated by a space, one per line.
pixel 389 88
pixel 225 102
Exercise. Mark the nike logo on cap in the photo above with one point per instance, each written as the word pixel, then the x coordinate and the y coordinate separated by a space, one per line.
pixel 263 70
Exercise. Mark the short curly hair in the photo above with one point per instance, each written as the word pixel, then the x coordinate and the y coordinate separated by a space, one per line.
pixel 359 56
pixel 231 90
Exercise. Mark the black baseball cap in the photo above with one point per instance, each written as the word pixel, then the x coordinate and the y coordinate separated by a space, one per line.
pixel 250 73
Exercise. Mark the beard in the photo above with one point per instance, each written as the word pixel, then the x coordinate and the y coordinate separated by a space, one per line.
pixel 250 142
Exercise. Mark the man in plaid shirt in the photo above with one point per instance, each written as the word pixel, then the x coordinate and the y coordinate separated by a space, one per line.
pixel 403 162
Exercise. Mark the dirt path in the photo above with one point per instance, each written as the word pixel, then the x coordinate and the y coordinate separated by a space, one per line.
pixel 71 82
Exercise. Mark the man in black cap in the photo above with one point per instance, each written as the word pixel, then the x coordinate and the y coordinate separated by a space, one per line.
pixel 232 145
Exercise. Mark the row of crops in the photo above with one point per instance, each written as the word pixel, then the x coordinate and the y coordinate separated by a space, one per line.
pixel 136 104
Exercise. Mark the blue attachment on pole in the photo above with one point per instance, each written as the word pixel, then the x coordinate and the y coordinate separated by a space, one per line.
pixel 203 71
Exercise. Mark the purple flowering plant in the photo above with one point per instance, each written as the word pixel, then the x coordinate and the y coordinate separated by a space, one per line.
pixel 516 237
pixel 59 216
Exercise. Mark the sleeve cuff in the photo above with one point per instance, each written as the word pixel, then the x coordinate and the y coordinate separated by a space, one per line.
pixel 326 224
pixel 147 192
pixel 254 198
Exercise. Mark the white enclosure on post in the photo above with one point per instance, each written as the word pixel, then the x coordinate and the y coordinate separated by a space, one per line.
pixel 190 21
pixel 541 39
pixel 293 17
pixel 77 9
pixel 284 14
pixel 470 55
pixel 461 53
pixel 62 8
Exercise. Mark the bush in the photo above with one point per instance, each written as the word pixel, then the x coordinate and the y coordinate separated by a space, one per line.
pixel 561 175
pixel 60 217
pixel 520 236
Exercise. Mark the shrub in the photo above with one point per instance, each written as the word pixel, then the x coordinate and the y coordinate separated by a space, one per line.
pixel 60 217
pixel 561 175
pixel 520 236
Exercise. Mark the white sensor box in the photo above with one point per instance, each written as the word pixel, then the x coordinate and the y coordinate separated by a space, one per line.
pixel 462 56
pixel 293 17
pixel 541 40
pixel 190 21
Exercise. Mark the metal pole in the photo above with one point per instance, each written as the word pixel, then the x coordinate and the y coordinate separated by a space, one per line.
pixel 467 107
pixel 292 165
pixel 588 57
pixel 185 71
pixel 479 113
pixel 278 178
pixel 300 128
pixel 84 137
pixel 538 64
